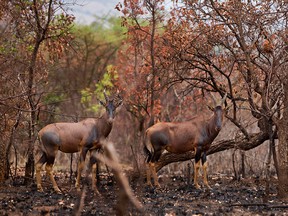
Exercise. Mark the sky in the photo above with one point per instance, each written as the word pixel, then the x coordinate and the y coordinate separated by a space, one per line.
pixel 85 10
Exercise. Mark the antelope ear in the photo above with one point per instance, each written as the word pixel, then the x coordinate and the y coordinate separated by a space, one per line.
pixel 223 99
pixel 120 102
pixel 226 110
pixel 210 108
pixel 105 95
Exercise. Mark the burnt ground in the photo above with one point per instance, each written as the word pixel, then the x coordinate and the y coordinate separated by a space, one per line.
pixel 227 197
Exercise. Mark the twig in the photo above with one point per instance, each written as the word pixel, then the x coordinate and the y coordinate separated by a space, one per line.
pixel 111 160
pixel 258 204
pixel 11 142
pixel 79 206
pixel 134 156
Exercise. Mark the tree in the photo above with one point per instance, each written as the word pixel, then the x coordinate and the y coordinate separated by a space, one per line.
pixel 139 65
pixel 35 28
pixel 234 47
pixel 93 49
pixel 283 142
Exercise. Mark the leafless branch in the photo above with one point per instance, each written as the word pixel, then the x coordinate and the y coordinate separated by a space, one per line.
pixel 125 193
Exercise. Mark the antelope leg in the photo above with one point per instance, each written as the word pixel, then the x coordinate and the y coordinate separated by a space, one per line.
pixel 94 180
pixel 197 166
pixel 48 168
pixel 205 179
pixel 38 167
pixel 81 164
pixel 148 174
pixel 154 174
pixel 93 164
pixel 38 177
pixel 80 168
pixel 196 172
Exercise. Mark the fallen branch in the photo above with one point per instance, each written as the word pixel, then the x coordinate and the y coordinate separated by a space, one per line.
pixel 240 143
pixel 80 204
pixel 257 204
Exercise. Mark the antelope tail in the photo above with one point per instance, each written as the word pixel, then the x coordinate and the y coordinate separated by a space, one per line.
pixel 148 148
pixel 147 153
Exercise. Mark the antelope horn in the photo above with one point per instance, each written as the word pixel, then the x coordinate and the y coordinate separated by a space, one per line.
pixel 223 99
pixel 214 99
pixel 106 98
pixel 119 100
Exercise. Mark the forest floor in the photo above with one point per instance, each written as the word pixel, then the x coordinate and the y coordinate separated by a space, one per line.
pixel 176 197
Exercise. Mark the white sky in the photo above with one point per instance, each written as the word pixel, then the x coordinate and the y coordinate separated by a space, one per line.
pixel 85 10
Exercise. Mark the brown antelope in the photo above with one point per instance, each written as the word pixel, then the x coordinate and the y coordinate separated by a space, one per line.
pixel 80 137
pixel 180 137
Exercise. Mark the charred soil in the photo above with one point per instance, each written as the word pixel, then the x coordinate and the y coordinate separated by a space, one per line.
pixel 175 197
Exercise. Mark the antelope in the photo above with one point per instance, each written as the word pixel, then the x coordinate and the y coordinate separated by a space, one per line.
pixel 180 137
pixel 83 136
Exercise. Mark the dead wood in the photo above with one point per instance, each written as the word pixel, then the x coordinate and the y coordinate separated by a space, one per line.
pixel 125 191
pixel 80 204
pixel 258 204
pixel 241 143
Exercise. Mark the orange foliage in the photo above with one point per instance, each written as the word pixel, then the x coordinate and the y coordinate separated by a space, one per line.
pixel 139 57
pixel 267 46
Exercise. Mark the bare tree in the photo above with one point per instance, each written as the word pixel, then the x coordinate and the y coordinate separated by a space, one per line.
pixel 34 27
pixel 237 48
pixel 283 143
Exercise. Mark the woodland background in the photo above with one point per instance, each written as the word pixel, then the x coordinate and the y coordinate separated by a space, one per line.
pixel 164 62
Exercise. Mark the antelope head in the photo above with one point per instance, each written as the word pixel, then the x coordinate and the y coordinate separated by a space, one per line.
pixel 219 111
pixel 111 104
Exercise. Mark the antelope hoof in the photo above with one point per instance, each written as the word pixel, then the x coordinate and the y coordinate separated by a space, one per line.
pixel 58 191
pixel 40 189
pixel 157 185
pixel 77 186
pixel 208 186
pixel 149 184
pixel 197 186
pixel 96 192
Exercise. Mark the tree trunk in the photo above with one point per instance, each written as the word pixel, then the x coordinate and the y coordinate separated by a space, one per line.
pixel 243 144
pixel 243 173
pixel 6 148
pixel 3 160
pixel 29 168
pixel 283 147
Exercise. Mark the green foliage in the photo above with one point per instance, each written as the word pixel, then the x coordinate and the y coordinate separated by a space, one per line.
pixel 109 28
pixel 30 48
pixel 104 29
pixel 102 37
pixel 106 83
pixel 86 96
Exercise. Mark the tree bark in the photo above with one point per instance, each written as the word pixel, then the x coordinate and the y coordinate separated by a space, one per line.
pixel 40 32
pixel 283 147
pixel 29 168
pixel 3 160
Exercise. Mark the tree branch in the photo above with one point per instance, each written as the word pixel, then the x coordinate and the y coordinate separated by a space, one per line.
pixel 240 143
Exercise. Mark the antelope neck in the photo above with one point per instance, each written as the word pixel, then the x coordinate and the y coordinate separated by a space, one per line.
pixel 105 125
pixel 215 122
